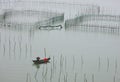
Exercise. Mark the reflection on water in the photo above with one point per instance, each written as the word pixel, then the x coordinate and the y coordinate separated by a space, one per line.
pixel 75 56
pixel 28 78
pixel 37 66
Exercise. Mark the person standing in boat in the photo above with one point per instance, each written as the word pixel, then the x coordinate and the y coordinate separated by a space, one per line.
pixel 38 58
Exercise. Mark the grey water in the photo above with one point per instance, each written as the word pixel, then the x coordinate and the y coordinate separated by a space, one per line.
pixel 75 56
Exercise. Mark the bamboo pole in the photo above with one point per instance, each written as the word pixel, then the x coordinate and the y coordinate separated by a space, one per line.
pixel 107 64
pixel 99 64
pixel 45 52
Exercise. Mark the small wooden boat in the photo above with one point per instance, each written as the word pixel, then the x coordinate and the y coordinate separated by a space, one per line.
pixel 58 27
pixel 41 61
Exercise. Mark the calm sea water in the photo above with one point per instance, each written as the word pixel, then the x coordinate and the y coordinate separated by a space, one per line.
pixel 76 56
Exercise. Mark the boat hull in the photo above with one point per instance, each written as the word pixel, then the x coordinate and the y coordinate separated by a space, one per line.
pixel 41 61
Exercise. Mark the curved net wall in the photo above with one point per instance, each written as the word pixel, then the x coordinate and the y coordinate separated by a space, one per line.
pixel 71 16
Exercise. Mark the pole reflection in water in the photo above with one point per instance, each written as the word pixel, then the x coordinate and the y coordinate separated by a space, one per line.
pixel 37 67
pixel 28 78
pixel 44 72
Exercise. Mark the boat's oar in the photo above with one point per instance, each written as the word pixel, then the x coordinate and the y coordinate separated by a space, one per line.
pixel 45 52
